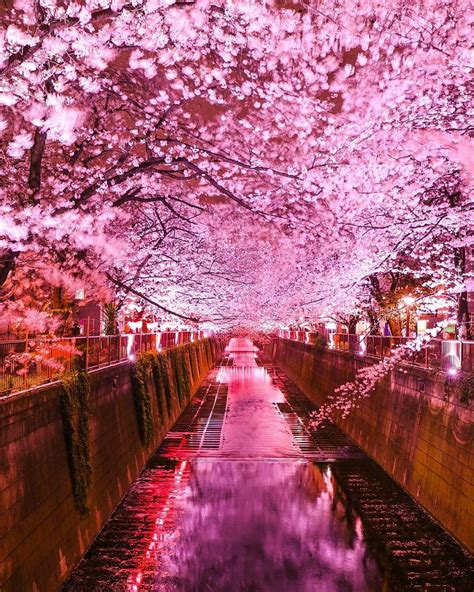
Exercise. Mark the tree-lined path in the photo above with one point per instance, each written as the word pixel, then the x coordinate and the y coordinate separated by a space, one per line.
pixel 244 496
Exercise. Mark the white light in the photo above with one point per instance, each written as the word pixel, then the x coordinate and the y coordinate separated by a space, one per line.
pixel 129 344
pixel 408 300
pixel 452 371
pixel 131 357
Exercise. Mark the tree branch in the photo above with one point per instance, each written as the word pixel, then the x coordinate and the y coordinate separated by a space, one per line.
pixel 131 290
pixel 34 178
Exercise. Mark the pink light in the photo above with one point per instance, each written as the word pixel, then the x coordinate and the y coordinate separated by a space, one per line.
pixel 452 371
pixel 159 522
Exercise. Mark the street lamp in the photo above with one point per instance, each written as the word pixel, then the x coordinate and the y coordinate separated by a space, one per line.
pixel 408 300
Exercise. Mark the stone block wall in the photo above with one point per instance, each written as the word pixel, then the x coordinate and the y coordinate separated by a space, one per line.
pixel 42 536
pixel 416 425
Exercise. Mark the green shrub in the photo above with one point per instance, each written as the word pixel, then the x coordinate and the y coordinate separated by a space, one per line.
pixel 75 416
pixel 200 355
pixel 188 374
pixel 208 353
pixel 213 349
pixel 181 373
pixel 174 373
pixel 466 390
pixel 168 380
pixel 159 382
pixel 142 396
pixel 195 368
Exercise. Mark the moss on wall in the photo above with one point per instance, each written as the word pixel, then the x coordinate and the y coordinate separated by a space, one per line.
pixel 159 383
pixel 175 373
pixel 142 396
pixel 193 352
pixel 75 417
pixel 167 377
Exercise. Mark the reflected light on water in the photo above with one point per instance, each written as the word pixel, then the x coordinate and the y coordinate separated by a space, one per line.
pixel 250 525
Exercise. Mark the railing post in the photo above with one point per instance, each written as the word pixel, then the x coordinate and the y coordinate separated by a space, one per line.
pixel 25 375
pixel 50 358
pixel 87 345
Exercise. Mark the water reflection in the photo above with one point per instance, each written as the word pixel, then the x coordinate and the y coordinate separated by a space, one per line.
pixel 253 427
pixel 255 516
pixel 262 526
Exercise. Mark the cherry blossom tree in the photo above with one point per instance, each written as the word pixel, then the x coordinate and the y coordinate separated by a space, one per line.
pixel 233 161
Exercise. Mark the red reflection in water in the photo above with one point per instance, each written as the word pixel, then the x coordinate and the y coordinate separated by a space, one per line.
pixel 135 580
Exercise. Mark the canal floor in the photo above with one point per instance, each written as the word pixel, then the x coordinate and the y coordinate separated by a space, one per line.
pixel 245 496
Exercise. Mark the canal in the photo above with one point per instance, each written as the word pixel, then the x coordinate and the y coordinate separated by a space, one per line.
pixel 244 495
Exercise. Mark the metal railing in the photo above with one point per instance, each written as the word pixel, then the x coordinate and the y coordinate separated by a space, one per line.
pixel 449 355
pixel 27 362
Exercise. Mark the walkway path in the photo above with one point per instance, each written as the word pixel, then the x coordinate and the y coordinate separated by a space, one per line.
pixel 234 500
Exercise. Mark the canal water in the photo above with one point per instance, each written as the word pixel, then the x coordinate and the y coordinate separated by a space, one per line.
pixel 239 502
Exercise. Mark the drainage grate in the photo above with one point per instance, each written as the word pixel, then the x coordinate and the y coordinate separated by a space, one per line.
pixel 199 427
pixel 300 434
pixel 225 361
pixel 324 443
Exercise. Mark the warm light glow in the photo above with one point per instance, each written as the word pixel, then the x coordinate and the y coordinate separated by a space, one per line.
pixel 408 300
pixel 421 325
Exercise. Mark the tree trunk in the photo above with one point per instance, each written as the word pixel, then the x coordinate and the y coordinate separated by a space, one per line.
pixel 374 323
pixel 352 325
pixel 34 178
pixel 7 263
pixel 463 317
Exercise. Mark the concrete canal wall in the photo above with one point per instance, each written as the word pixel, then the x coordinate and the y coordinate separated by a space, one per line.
pixel 42 533
pixel 418 425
